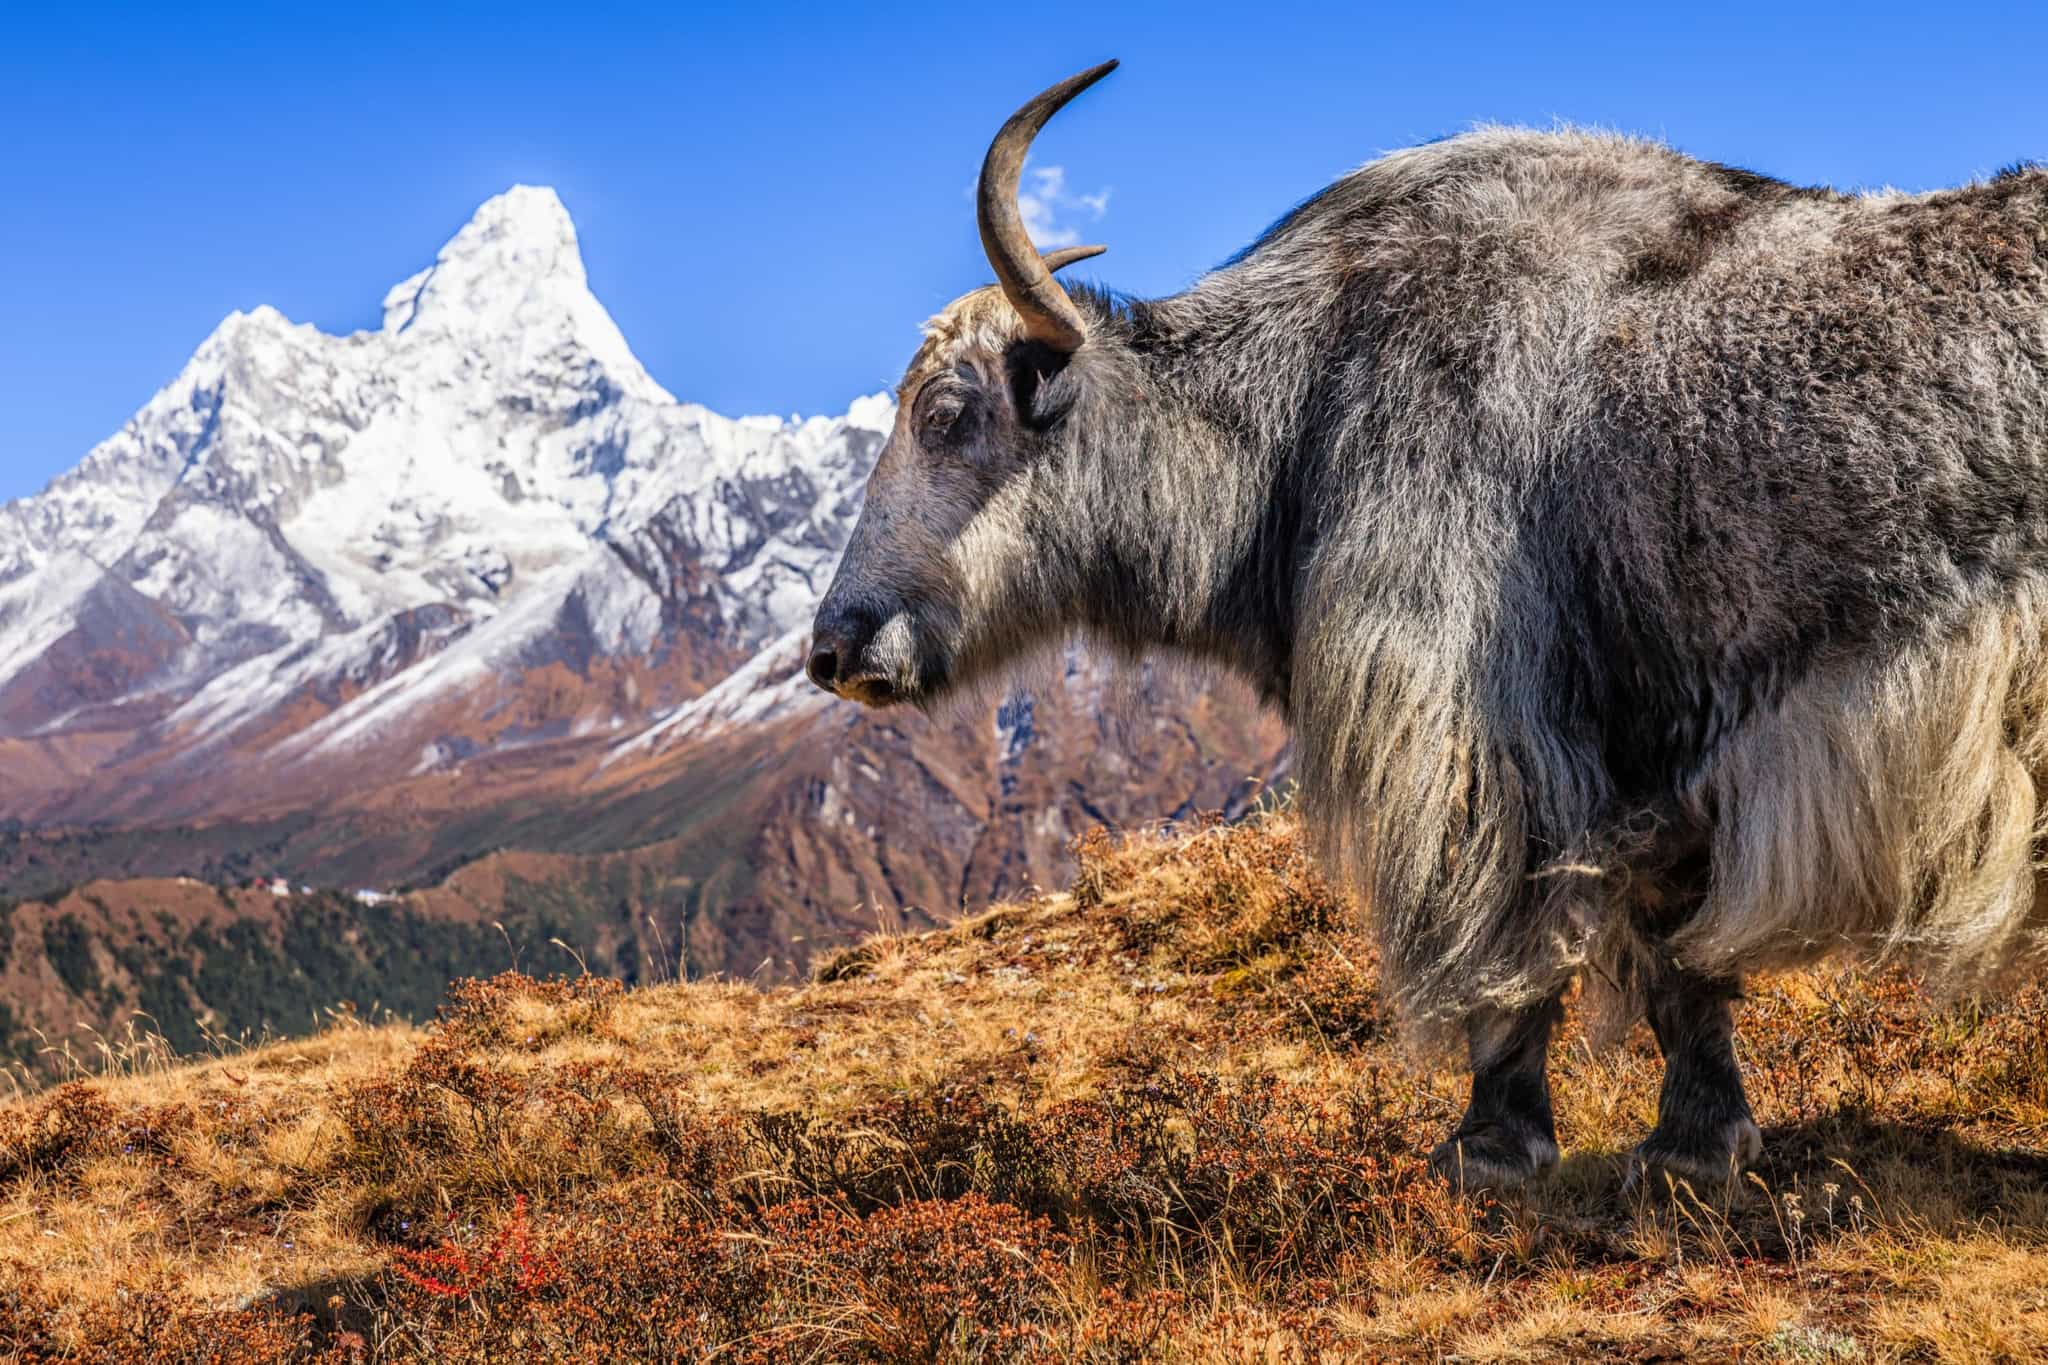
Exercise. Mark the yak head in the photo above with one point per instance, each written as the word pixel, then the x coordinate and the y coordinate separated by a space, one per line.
pixel 950 570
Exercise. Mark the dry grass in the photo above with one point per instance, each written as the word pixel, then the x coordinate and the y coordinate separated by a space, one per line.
pixel 1160 1117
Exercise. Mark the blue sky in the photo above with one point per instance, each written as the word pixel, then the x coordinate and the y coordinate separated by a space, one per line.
pixel 771 198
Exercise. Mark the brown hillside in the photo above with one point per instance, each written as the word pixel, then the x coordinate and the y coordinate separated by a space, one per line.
pixel 745 854
pixel 1157 1117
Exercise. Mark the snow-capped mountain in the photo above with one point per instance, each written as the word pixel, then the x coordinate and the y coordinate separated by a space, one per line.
pixel 307 547
pixel 469 604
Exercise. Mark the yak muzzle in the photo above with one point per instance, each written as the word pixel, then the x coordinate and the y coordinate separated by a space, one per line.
pixel 844 657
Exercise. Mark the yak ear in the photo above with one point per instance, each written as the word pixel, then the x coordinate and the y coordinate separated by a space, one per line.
pixel 1044 384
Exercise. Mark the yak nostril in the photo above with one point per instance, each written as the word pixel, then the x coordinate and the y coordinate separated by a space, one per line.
pixel 824 667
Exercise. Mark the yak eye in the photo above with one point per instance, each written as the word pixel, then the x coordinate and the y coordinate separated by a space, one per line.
pixel 940 408
pixel 946 407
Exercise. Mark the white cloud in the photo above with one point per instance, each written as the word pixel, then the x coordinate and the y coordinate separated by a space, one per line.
pixel 1053 214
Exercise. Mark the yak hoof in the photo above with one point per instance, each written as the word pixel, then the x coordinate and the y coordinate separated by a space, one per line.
pixel 1709 1162
pixel 1494 1157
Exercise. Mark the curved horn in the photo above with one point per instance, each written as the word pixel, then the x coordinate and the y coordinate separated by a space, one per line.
pixel 1056 261
pixel 1049 315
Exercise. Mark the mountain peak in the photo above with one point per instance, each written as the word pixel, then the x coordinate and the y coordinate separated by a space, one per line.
pixel 510 286
pixel 525 228
pixel 517 245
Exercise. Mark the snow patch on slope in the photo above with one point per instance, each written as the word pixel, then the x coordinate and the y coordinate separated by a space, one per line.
pixel 769 686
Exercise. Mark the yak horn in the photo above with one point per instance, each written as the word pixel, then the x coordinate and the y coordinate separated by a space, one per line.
pixel 1049 315
pixel 1059 260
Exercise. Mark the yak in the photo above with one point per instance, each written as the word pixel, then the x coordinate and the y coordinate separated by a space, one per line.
pixel 1650 558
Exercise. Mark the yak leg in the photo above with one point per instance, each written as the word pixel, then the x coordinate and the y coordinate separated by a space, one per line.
pixel 1506 1137
pixel 1705 1133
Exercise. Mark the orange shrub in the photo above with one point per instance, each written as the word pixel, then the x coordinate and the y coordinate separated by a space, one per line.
pixel 71 1123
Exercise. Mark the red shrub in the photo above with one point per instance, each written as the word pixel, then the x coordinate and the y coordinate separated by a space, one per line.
pixel 928 1280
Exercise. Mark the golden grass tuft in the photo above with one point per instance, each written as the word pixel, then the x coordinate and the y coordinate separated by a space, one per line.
pixel 1161 1116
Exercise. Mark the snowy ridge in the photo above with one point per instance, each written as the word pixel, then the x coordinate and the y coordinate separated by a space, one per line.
pixel 769 686
pixel 489 482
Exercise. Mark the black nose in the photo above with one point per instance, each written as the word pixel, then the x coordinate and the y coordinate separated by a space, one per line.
pixel 824 666
pixel 836 640
pixel 839 638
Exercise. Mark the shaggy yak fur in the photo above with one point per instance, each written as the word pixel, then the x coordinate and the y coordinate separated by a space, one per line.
pixel 1650 556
